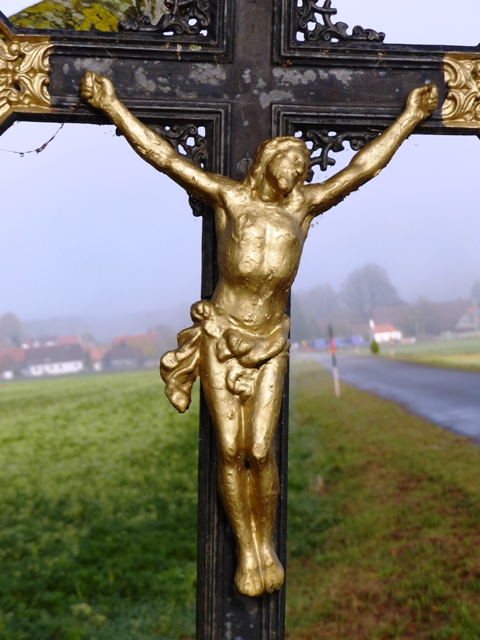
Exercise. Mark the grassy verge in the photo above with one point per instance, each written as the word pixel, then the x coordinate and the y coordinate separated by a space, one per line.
pixel 384 521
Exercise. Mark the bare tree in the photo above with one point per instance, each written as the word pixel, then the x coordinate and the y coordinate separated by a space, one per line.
pixel 10 330
pixel 322 302
pixel 367 288
pixel 304 324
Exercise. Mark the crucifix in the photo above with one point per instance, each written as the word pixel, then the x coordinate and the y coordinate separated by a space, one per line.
pixel 246 72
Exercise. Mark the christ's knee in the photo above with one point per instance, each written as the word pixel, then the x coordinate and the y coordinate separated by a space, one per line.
pixel 261 455
pixel 230 453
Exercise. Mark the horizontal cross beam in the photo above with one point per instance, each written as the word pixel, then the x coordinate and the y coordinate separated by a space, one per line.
pixel 358 84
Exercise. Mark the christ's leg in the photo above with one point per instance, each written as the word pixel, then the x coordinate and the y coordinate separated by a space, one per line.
pixel 264 411
pixel 227 411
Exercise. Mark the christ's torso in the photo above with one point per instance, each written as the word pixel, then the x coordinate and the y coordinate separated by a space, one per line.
pixel 259 251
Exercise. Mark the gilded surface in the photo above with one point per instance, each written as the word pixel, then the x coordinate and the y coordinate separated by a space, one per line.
pixel 238 343
pixel 462 105
pixel 24 67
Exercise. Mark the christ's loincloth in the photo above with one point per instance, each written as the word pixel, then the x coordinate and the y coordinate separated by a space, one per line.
pixel 243 351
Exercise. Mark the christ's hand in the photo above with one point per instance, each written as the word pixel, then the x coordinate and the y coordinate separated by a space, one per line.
pixel 422 102
pixel 98 91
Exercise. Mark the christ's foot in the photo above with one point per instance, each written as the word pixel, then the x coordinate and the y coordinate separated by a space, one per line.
pixel 273 573
pixel 248 579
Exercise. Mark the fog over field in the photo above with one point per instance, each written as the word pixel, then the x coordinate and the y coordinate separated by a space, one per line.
pixel 87 228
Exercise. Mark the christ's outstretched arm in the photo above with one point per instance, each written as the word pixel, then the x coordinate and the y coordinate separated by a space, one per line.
pixel 368 162
pixel 208 187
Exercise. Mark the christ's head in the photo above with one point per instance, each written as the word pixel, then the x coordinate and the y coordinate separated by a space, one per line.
pixel 283 162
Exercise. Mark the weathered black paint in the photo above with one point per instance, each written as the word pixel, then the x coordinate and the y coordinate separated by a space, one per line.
pixel 246 79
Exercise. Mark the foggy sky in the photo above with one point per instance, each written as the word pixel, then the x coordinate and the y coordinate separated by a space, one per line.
pixel 88 227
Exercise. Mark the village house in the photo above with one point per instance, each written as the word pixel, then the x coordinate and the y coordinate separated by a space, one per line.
pixel 468 322
pixel 152 345
pixel 95 356
pixel 123 357
pixel 11 362
pixel 54 360
pixel 386 333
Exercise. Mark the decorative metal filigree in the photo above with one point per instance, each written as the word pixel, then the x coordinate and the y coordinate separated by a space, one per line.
pixel 306 15
pixel 325 141
pixel 24 67
pixel 188 142
pixel 462 104
pixel 183 17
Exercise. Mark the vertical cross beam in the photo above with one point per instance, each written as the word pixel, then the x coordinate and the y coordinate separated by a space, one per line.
pixel 221 611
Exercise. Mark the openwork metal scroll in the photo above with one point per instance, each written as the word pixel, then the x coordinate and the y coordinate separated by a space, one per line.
pixel 187 140
pixel 307 27
pixel 24 67
pixel 462 104
pixel 190 143
pixel 324 142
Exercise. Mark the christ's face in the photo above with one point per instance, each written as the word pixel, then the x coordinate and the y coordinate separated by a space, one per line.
pixel 286 170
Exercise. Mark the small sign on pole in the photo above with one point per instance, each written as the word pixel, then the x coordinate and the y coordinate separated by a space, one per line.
pixel 336 379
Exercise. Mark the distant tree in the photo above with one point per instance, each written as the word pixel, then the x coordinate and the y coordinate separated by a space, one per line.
pixel 322 302
pixel 10 330
pixel 165 339
pixel 422 319
pixel 476 291
pixel 367 288
pixel 304 325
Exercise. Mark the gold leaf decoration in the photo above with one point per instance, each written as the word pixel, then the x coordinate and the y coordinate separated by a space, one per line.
pixel 24 68
pixel 462 104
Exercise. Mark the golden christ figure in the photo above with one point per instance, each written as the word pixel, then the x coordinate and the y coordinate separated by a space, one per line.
pixel 238 343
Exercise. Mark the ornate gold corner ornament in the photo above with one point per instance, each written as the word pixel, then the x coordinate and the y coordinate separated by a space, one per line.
pixel 24 69
pixel 462 104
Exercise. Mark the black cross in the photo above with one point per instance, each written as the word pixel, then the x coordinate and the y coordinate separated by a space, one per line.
pixel 247 70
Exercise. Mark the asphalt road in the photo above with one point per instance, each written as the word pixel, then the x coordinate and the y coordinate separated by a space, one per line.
pixel 446 397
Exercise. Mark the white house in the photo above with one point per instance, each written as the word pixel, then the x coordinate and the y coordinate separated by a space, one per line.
pixel 386 333
pixel 54 361
pixel 469 321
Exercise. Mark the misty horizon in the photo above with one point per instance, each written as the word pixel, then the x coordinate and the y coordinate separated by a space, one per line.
pixel 107 325
pixel 182 308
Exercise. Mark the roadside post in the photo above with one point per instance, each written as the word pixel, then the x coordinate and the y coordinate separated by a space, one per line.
pixel 336 379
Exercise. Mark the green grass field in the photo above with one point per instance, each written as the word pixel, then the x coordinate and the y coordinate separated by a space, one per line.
pixel 98 515
pixel 97 510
